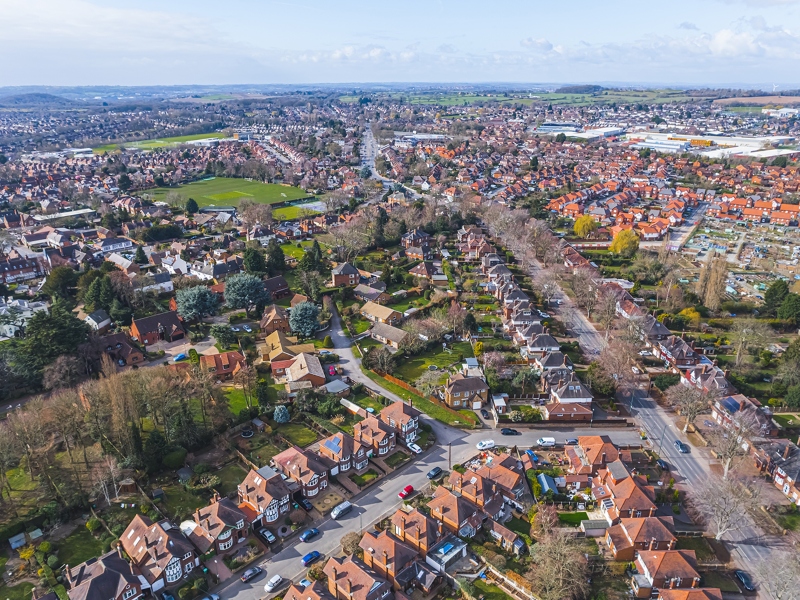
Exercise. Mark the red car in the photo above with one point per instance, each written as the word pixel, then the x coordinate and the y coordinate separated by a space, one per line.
pixel 331 370
pixel 406 492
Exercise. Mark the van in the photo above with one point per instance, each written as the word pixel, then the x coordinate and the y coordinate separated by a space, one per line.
pixel 546 442
pixel 341 509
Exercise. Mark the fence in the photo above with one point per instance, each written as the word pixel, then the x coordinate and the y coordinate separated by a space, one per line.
pixel 431 399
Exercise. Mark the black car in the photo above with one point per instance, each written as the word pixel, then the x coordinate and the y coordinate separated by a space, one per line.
pixel 662 465
pixel 745 580
pixel 509 431
pixel 571 442
pixel 434 472
pixel 251 573
pixel 306 504
pixel 681 447
pixel 484 413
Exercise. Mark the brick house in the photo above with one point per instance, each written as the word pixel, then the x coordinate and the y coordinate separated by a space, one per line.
pixel 690 594
pixel 166 326
pixel 398 562
pixel 456 514
pixel 631 536
pixel 415 528
pixel 386 334
pixel 306 367
pixel 277 287
pixel 374 435
pixel 345 274
pixel 622 495
pixel 315 591
pixel 351 579
pixel 664 569
pixel 403 418
pixel 275 318
pixel 592 453
pixel 465 392
pixel 380 314
pixel 121 350
pixel 263 497
pixel 345 452
pixel 109 576
pixel 222 366
pixel 217 528
pixel 306 468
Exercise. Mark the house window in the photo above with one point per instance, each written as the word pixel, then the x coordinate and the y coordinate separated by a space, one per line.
pixel 240 525
pixel 129 594
pixel 223 546
pixel 223 536
pixel 312 492
pixel 173 570
pixel 187 556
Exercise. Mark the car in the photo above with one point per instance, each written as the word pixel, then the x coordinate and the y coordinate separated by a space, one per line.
pixel 309 534
pixel 247 328
pixel 331 370
pixel 248 433
pixel 746 581
pixel 414 448
pixel 405 492
pixel 485 413
pixel 251 573
pixel 273 583
pixel 434 473
pixel 210 597
pixel 324 352
pixel 180 357
pixel 485 444
pixel 645 353
pixel 306 504
pixel 681 447
pixel 509 431
pixel 571 442
pixel 304 583
pixel 167 596
pixel 236 329
pixel 311 558
pixel 268 536
pixel 635 370
pixel 662 464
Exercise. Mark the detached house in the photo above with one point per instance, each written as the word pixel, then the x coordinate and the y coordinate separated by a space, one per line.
pixel 375 435
pixel 222 366
pixel 466 392
pixel 403 418
pixel 263 497
pixel 381 314
pixel 667 569
pixel 345 274
pixel 398 562
pixel 109 576
pixel 345 453
pixel 304 467
pixel 457 514
pixel 351 579
pixel 217 528
pixel 631 536
pixel 275 318
pixel 162 327
pixel 622 495
pixel 415 529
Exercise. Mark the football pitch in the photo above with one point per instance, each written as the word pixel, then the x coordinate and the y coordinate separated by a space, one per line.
pixel 226 191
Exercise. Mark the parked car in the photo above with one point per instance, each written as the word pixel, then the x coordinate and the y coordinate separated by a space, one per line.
pixel 309 534
pixel 662 465
pixel 509 431
pixel 746 581
pixel 247 433
pixel 180 357
pixel 251 573
pixel 414 448
pixel 324 352
pixel 306 504
pixel 635 370
pixel 546 442
pixel 681 447
pixel 645 353
pixel 406 492
pixel 485 444
pixel 571 442
pixel 273 583
pixel 167 596
pixel 485 413
pixel 267 535
pixel 304 583
pixel 311 558
pixel 236 329
pixel 434 473
pixel 247 328
pixel 331 370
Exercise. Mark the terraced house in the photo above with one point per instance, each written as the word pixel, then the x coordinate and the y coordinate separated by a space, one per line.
pixel 304 467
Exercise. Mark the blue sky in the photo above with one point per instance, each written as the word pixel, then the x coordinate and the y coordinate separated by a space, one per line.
pixel 702 42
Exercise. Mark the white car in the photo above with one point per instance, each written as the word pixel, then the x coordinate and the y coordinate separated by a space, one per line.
pixel 273 583
pixel 635 370
pixel 485 444
pixel 645 353
pixel 414 448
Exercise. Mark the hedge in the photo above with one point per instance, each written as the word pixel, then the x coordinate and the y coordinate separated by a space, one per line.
pixel 175 459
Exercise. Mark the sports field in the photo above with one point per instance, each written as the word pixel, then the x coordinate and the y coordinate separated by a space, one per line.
pixel 227 191
pixel 159 143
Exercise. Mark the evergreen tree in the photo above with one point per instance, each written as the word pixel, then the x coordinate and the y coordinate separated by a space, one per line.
pixel 254 262
pixel 99 295
pixel 317 252
pixel 191 206
pixel 775 295
pixel 276 259
pixel 155 448
pixel 120 313
pixel 140 258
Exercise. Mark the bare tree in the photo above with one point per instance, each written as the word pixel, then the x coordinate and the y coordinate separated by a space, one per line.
pixel 246 379
pixel 747 333
pixel 559 570
pixel 546 283
pixel 616 360
pixel 106 475
pixel 583 285
pixel 725 503
pixel 779 575
pixel 254 213
pixel 606 311
pixel 732 442
pixel 689 400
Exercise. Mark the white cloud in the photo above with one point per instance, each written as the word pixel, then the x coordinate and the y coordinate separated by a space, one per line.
pixel 688 25
pixel 540 44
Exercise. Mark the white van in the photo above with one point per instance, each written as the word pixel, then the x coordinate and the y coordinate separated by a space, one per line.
pixel 341 509
pixel 546 442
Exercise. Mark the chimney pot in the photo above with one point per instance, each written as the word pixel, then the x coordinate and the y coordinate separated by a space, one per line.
pixel 786 451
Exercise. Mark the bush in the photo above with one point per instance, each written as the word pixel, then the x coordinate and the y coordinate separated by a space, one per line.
pixel 327 342
pixel 93 524
pixel 201 468
pixel 663 382
pixel 516 416
pixel 203 482
pixel 44 547
pixel 52 561
pixel 175 459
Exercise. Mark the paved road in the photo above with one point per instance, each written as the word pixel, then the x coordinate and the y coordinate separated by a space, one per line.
pixel 369 152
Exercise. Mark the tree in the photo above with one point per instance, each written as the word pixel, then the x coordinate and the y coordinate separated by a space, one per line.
pixel 747 333
pixel 195 302
pixel 725 503
pixel 281 414
pixel 559 570
pixel 223 334
pixel 625 243
pixel 99 295
pixel 428 382
pixel 303 319
pixel 350 543
pixel 790 308
pixel 49 335
pixel 779 575
pixel 365 173
pixel 191 206
pixel 246 291
pixel 775 295
pixel 600 381
pixel 124 182
pixel 478 348
pixel 606 311
pixel 254 262
pixel 689 400
pixel 524 378
pixel 276 259
pixel 583 284
pixel 731 442
pixel 584 226
pixel 155 448
pixel 59 282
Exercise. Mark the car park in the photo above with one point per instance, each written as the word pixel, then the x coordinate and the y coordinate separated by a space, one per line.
pixel 311 558
pixel 509 431
pixel 414 448
pixel 745 580
pixel 267 535
pixel 434 472
pixel 273 583
pixel 681 447
pixel 251 573
pixel 406 492
pixel 306 504
pixel 309 534
pixel 485 444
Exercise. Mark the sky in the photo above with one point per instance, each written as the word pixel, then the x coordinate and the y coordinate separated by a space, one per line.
pixel 169 42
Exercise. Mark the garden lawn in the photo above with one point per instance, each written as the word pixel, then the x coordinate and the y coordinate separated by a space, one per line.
pixel 396 459
pixel 236 401
pixel 230 477
pixel 290 213
pixel 700 546
pixel 410 369
pixel 490 592
pixel 572 519
pixel 789 521
pixel 21 591
pixel 718 579
pixel 360 325
pixel 229 191
pixel 404 305
pixel 298 434
pixel 365 401
pixel 364 479
pixel 519 526
pixel 787 420
pixel 79 546
pixel 180 503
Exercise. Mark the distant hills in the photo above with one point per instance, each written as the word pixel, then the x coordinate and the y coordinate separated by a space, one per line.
pixel 34 99
pixel 580 89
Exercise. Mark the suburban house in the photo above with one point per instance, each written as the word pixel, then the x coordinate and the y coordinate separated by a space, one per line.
pixel 479 490
pixel 165 326
pixel 592 453
pixel 121 350
pixel 346 453
pixel 275 318
pixel 306 468
pixel 465 392
pixel 397 562
pixel 351 579
pixel 507 475
pixel 622 495
pixel 345 274
pixel 368 293
pixel 781 459
pixel 159 550
pixel 558 411
pixel 664 569
pixel 403 418
pixel 375 435
pixel 415 237
pixel 631 536
pixel 415 529
pixel 279 347
pixel 387 334
pixel 98 320
pixel 729 410
pixel 505 538
pixel 457 514
pixel 222 366
pixel 315 591
pixel 380 314
pixel 263 496
pixel 109 576
pixel 571 391
pixel 277 287
pixel 306 367
pixel 216 528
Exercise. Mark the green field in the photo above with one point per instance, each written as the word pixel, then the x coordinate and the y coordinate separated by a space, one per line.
pixel 227 191
pixel 158 143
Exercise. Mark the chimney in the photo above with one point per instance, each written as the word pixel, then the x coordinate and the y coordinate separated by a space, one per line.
pixel 348 586
pixel 696 582
pixel 385 557
pixel 153 554
pixel 603 458
pixel 727 373
pixel 652 544
pixel 714 362
pixel 786 451
pixel 68 573
pixel 334 572
pixel 672 583
pixel 403 524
